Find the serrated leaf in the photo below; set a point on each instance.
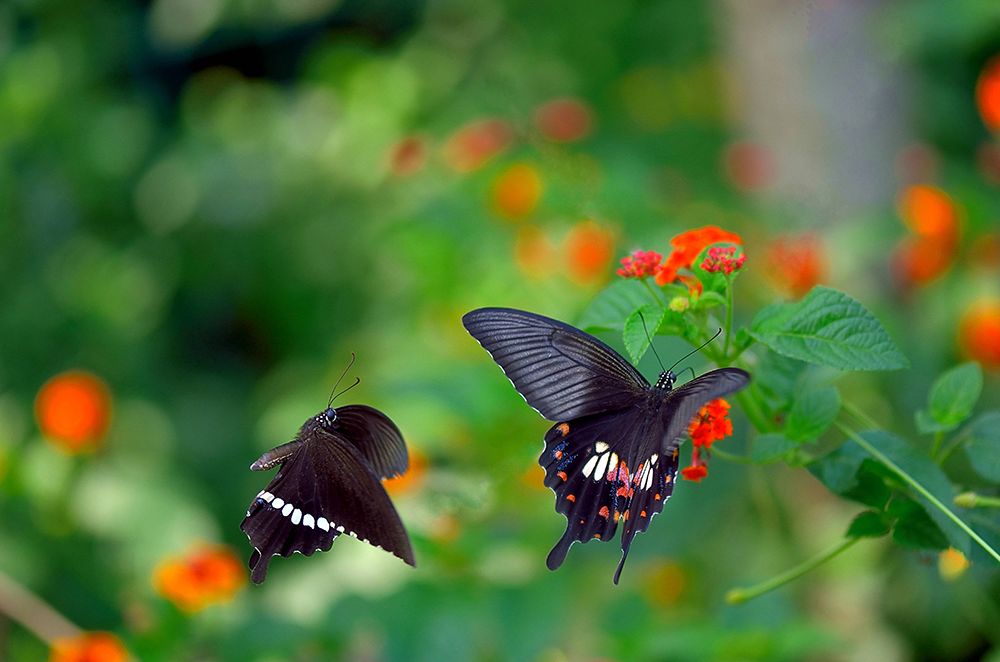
(768, 448)
(983, 446)
(640, 327)
(812, 413)
(955, 393)
(828, 327)
(913, 527)
(612, 306)
(869, 524)
(927, 473)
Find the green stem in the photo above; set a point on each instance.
(973, 500)
(860, 415)
(729, 314)
(936, 446)
(731, 457)
(956, 441)
(659, 297)
(23, 606)
(740, 595)
(884, 459)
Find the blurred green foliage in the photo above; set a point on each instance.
(204, 203)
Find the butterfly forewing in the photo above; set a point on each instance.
(376, 437)
(561, 371)
(682, 404)
(325, 488)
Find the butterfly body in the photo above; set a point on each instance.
(612, 456)
(328, 484)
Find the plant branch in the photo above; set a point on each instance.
(729, 315)
(923, 491)
(659, 297)
(973, 500)
(740, 595)
(33, 613)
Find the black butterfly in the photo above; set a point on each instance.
(328, 484)
(612, 456)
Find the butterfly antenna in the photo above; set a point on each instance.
(357, 380)
(332, 396)
(698, 349)
(650, 339)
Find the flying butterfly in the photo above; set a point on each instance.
(612, 455)
(328, 484)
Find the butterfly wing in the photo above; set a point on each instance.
(376, 437)
(562, 372)
(682, 404)
(593, 466)
(323, 489)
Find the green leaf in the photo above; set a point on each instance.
(913, 527)
(869, 524)
(955, 393)
(983, 447)
(709, 299)
(768, 448)
(927, 473)
(838, 470)
(812, 413)
(926, 423)
(828, 327)
(635, 333)
(614, 304)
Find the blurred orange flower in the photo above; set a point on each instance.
(564, 120)
(516, 191)
(589, 249)
(413, 478)
(476, 143)
(73, 410)
(89, 647)
(688, 245)
(796, 263)
(952, 564)
(933, 217)
(533, 252)
(408, 156)
(205, 575)
(665, 584)
(929, 212)
(748, 166)
(988, 94)
(979, 333)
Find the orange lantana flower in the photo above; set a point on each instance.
(979, 333)
(933, 217)
(74, 410)
(413, 478)
(89, 647)
(687, 246)
(988, 94)
(564, 120)
(796, 263)
(206, 575)
(589, 250)
(476, 143)
(516, 192)
(710, 425)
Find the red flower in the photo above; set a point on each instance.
(408, 156)
(206, 575)
(988, 94)
(933, 217)
(589, 249)
(476, 143)
(640, 264)
(74, 411)
(564, 120)
(687, 246)
(796, 263)
(720, 258)
(710, 425)
(88, 647)
(979, 333)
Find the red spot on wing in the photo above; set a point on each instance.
(571, 497)
(561, 474)
(603, 512)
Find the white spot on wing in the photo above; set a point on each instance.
(278, 503)
(296, 516)
(602, 466)
(323, 524)
(287, 510)
(267, 496)
(600, 447)
(589, 467)
(307, 520)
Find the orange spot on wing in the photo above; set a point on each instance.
(625, 515)
(667, 479)
(603, 512)
(657, 497)
(618, 515)
(642, 514)
(558, 455)
(623, 491)
(561, 474)
(597, 535)
(571, 497)
(563, 428)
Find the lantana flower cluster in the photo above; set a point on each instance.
(710, 425)
(686, 247)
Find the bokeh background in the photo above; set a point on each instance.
(207, 205)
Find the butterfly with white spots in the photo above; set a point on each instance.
(612, 456)
(328, 483)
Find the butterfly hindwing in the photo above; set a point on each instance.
(376, 437)
(323, 489)
(592, 465)
(561, 371)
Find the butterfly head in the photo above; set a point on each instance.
(666, 380)
(328, 417)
